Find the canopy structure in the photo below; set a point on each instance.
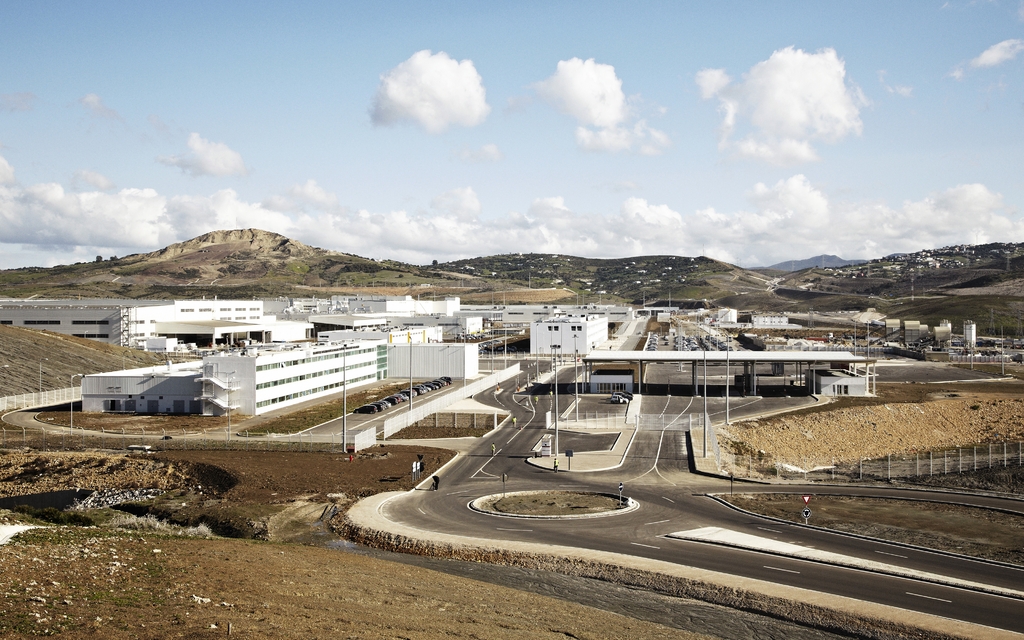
(747, 361)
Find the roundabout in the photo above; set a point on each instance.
(553, 505)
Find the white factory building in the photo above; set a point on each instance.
(524, 315)
(574, 334)
(130, 323)
(251, 381)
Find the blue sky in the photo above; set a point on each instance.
(749, 132)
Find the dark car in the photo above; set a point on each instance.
(367, 408)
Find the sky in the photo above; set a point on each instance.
(749, 132)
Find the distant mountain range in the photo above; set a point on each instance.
(952, 283)
(820, 262)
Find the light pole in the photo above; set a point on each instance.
(575, 377)
(72, 405)
(41, 378)
(344, 399)
(553, 347)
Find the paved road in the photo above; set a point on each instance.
(656, 473)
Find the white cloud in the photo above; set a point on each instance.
(998, 53)
(587, 91)
(312, 193)
(6, 172)
(432, 90)
(591, 93)
(95, 179)
(95, 105)
(12, 102)
(486, 153)
(207, 159)
(898, 89)
(463, 203)
(790, 100)
(789, 219)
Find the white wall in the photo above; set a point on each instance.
(578, 334)
(429, 361)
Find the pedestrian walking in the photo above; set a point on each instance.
(492, 449)
(556, 465)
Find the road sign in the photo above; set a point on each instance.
(807, 499)
(568, 453)
(806, 513)
(620, 487)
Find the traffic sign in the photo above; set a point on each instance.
(806, 513)
(620, 487)
(807, 499)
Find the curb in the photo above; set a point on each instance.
(952, 583)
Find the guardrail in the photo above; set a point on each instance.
(419, 411)
(44, 399)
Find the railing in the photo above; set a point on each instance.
(66, 439)
(902, 467)
(44, 399)
(960, 358)
(421, 410)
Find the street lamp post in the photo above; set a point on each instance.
(553, 347)
(72, 405)
(344, 399)
(41, 378)
(575, 377)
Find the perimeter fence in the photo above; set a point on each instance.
(905, 467)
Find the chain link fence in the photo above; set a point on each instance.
(87, 440)
(893, 467)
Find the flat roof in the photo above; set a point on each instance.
(723, 356)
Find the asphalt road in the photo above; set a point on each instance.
(656, 473)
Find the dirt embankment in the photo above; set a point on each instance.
(848, 434)
(234, 493)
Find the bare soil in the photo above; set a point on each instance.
(101, 583)
(449, 425)
(89, 583)
(971, 531)
(42, 358)
(931, 419)
(555, 503)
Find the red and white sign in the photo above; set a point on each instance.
(807, 499)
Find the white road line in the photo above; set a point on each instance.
(669, 499)
(895, 555)
(421, 511)
(909, 593)
(502, 529)
(779, 569)
(658, 522)
(767, 529)
(645, 545)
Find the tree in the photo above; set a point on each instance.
(434, 263)
(99, 258)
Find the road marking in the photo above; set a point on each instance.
(895, 555)
(909, 593)
(645, 545)
(767, 529)
(421, 511)
(669, 499)
(780, 569)
(658, 522)
(501, 529)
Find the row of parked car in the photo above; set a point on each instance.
(652, 342)
(621, 397)
(404, 395)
